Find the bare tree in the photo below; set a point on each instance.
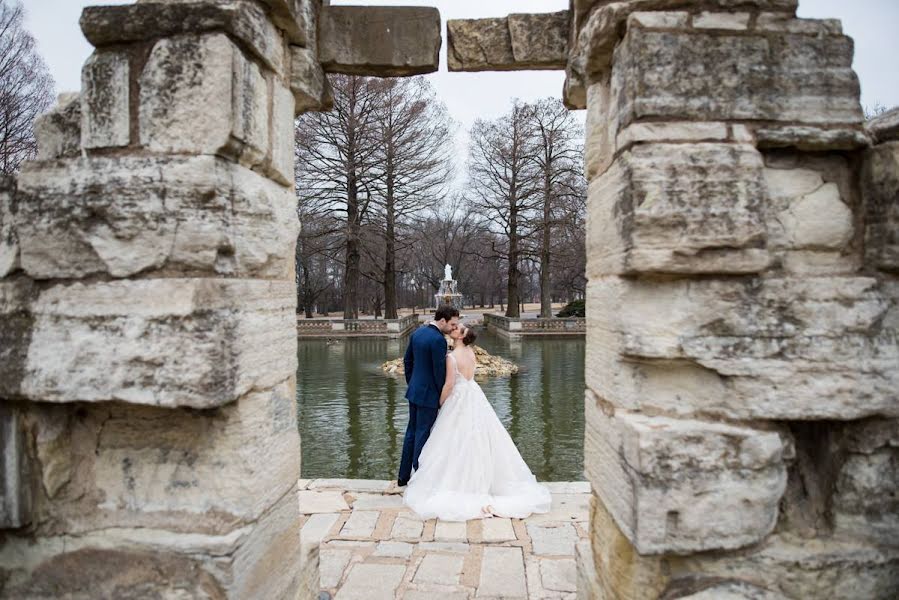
(413, 137)
(26, 88)
(336, 156)
(503, 186)
(559, 158)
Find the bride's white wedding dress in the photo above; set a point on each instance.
(469, 462)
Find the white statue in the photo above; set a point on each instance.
(447, 273)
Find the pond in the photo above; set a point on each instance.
(352, 416)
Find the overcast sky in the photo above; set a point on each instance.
(872, 23)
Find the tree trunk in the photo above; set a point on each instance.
(514, 282)
(546, 310)
(390, 255)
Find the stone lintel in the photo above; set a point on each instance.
(518, 42)
(384, 41)
(246, 21)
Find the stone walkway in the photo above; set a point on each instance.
(372, 547)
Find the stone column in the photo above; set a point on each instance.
(741, 410)
(147, 313)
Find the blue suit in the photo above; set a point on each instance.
(425, 366)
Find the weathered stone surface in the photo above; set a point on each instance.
(502, 573)
(105, 97)
(559, 575)
(618, 570)
(208, 474)
(317, 526)
(497, 530)
(310, 87)
(818, 220)
(58, 132)
(721, 20)
(387, 41)
(775, 348)
(283, 113)
(725, 591)
(802, 568)
(394, 549)
(405, 528)
(15, 472)
(447, 531)
(865, 502)
(675, 208)
(201, 343)
(9, 237)
(812, 139)
(785, 21)
(719, 76)
(144, 21)
(216, 103)
(552, 539)
(682, 485)
(441, 569)
(516, 42)
(372, 582)
(325, 501)
(361, 524)
(598, 26)
(885, 127)
(124, 216)
(253, 561)
(880, 188)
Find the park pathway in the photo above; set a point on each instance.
(373, 548)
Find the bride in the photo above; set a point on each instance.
(470, 468)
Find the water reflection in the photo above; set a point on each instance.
(352, 416)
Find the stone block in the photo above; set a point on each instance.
(258, 560)
(676, 486)
(705, 75)
(200, 343)
(310, 87)
(58, 132)
(812, 139)
(559, 575)
(15, 471)
(214, 103)
(448, 531)
(659, 20)
(9, 237)
(800, 568)
(105, 98)
(441, 569)
(677, 208)
(129, 215)
(885, 127)
(617, 569)
(599, 141)
(502, 573)
(766, 348)
(516, 42)
(387, 41)
(721, 20)
(552, 539)
(880, 189)
(866, 495)
(819, 220)
(372, 582)
(782, 21)
(144, 21)
(191, 472)
(283, 113)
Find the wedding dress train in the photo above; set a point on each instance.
(470, 462)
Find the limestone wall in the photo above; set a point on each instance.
(742, 411)
(147, 312)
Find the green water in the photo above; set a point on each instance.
(352, 417)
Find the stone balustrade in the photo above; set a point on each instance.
(389, 328)
(514, 327)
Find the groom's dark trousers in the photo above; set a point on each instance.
(425, 367)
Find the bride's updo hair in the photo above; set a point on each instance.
(469, 337)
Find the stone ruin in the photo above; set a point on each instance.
(742, 435)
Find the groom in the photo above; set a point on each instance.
(425, 366)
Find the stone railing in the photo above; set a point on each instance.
(389, 328)
(512, 327)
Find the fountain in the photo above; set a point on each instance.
(448, 292)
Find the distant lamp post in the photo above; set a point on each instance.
(414, 295)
